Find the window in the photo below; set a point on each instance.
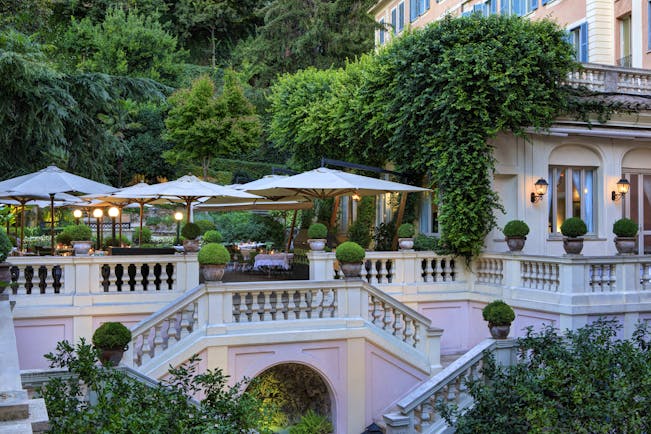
(394, 21)
(401, 16)
(429, 219)
(578, 37)
(417, 8)
(625, 42)
(571, 194)
(518, 7)
(648, 25)
(382, 36)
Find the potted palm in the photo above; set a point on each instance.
(406, 233)
(573, 228)
(499, 316)
(626, 236)
(350, 256)
(191, 233)
(515, 233)
(213, 258)
(79, 236)
(111, 339)
(317, 235)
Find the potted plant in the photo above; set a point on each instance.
(626, 236)
(573, 228)
(499, 316)
(515, 233)
(213, 258)
(317, 236)
(111, 339)
(212, 236)
(79, 236)
(350, 256)
(191, 232)
(406, 233)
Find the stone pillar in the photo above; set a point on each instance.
(600, 16)
(397, 423)
(356, 384)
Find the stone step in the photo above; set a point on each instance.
(14, 405)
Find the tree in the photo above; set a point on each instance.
(24, 15)
(123, 404)
(203, 124)
(578, 381)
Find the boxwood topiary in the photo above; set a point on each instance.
(191, 231)
(625, 228)
(516, 228)
(574, 227)
(406, 230)
(350, 251)
(317, 231)
(498, 313)
(212, 236)
(213, 254)
(111, 336)
(205, 226)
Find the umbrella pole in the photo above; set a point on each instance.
(335, 210)
(120, 228)
(291, 231)
(22, 226)
(142, 209)
(52, 222)
(187, 210)
(401, 213)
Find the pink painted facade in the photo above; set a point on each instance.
(36, 337)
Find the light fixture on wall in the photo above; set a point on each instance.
(540, 189)
(622, 188)
(356, 196)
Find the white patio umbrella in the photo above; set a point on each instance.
(189, 189)
(49, 182)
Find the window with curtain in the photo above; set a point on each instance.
(571, 194)
(429, 220)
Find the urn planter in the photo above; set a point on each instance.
(626, 245)
(573, 246)
(406, 243)
(213, 272)
(515, 244)
(317, 244)
(351, 270)
(81, 247)
(499, 331)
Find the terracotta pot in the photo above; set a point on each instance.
(499, 331)
(406, 243)
(573, 246)
(351, 270)
(81, 247)
(190, 246)
(626, 245)
(317, 244)
(515, 244)
(111, 356)
(213, 272)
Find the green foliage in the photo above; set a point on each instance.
(213, 253)
(312, 423)
(625, 228)
(349, 251)
(516, 228)
(424, 242)
(246, 226)
(111, 336)
(317, 231)
(574, 227)
(360, 233)
(498, 313)
(406, 230)
(124, 404)
(191, 231)
(205, 226)
(583, 381)
(117, 242)
(383, 237)
(5, 246)
(205, 125)
(70, 233)
(146, 235)
(212, 236)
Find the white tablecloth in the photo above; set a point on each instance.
(273, 260)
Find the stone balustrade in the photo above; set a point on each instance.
(604, 78)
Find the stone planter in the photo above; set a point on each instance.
(111, 356)
(573, 246)
(499, 331)
(406, 243)
(317, 244)
(515, 244)
(213, 272)
(81, 247)
(351, 270)
(626, 245)
(191, 246)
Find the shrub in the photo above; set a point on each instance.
(425, 242)
(112, 336)
(317, 231)
(406, 230)
(212, 236)
(205, 226)
(74, 233)
(360, 233)
(498, 313)
(191, 231)
(625, 228)
(312, 423)
(119, 241)
(574, 227)
(350, 251)
(383, 236)
(5, 246)
(153, 220)
(146, 235)
(516, 228)
(214, 254)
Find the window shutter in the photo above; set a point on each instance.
(583, 35)
(413, 10)
(394, 20)
(504, 7)
(401, 16)
(426, 5)
(493, 7)
(533, 5)
(382, 31)
(544, 2)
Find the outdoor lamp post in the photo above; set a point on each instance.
(178, 216)
(77, 215)
(113, 212)
(98, 214)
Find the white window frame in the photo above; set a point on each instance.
(553, 224)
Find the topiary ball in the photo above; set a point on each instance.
(625, 228)
(516, 228)
(317, 231)
(212, 236)
(112, 336)
(350, 251)
(498, 313)
(191, 231)
(574, 227)
(213, 254)
(406, 230)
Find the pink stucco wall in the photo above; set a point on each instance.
(36, 337)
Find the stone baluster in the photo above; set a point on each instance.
(145, 355)
(383, 274)
(372, 273)
(429, 271)
(158, 339)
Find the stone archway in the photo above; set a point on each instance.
(293, 389)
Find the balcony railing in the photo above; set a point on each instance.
(603, 78)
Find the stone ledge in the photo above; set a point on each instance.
(13, 405)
